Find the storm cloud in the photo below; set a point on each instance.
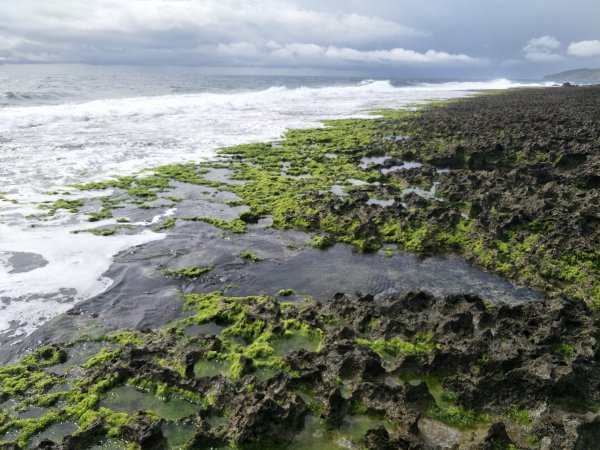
(435, 37)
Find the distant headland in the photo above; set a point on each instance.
(577, 75)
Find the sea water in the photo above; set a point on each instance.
(62, 125)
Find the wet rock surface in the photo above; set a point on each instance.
(509, 182)
(497, 375)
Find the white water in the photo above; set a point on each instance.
(47, 147)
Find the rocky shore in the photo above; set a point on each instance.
(507, 181)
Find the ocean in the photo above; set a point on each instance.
(62, 125)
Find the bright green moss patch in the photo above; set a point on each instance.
(457, 416)
(188, 272)
(234, 226)
(95, 216)
(69, 205)
(286, 292)
(168, 223)
(520, 416)
(249, 256)
(263, 342)
(103, 387)
(422, 343)
(564, 349)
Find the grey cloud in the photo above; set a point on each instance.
(542, 49)
(471, 37)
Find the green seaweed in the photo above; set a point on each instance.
(234, 226)
(249, 256)
(168, 223)
(188, 272)
(286, 292)
(422, 343)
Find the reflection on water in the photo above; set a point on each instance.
(128, 400)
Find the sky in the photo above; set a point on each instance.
(435, 38)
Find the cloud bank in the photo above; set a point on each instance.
(210, 32)
(438, 35)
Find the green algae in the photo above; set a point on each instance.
(168, 223)
(565, 350)
(298, 203)
(77, 355)
(286, 292)
(188, 272)
(350, 434)
(105, 231)
(520, 416)
(72, 206)
(233, 226)
(391, 348)
(300, 197)
(261, 344)
(457, 416)
(445, 407)
(249, 256)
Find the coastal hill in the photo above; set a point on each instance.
(577, 75)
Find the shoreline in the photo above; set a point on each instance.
(461, 176)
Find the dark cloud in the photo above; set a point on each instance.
(433, 37)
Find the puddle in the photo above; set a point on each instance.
(78, 355)
(8, 406)
(208, 328)
(355, 182)
(211, 368)
(140, 297)
(285, 167)
(10, 436)
(127, 399)
(295, 342)
(377, 161)
(324, 273)
(33, 412)
(55, 433)
(397, 138)
(433, 386)
(382, 203)
(21, 262)
(349, 436)
(111, 444)
(338, 190)
(372, 161)
(65, 387)
(265, 373)
(435, 389)
(406, 165)
(221, 175)
(216, 421)
(178, 434)
(430, 194)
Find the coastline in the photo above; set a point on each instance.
(490, 186)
